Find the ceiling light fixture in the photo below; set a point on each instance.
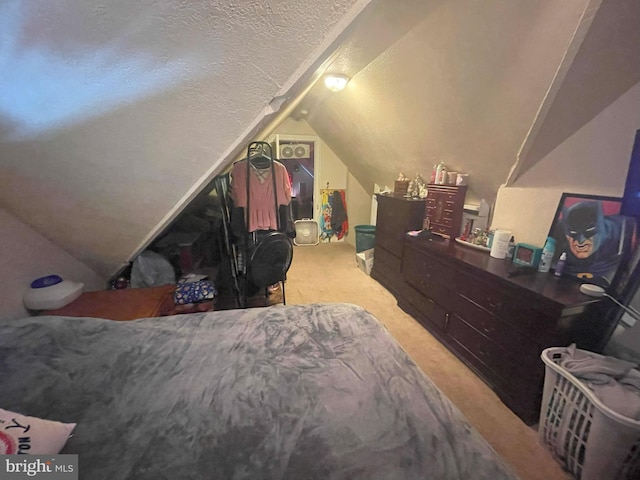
(335, 81)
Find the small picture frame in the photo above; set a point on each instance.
(597, 239)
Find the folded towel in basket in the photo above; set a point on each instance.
(608, 378)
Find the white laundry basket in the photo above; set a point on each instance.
(590, 440)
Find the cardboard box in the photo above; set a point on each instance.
(365, 260)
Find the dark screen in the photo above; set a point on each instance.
(524, 254)
(631, 199)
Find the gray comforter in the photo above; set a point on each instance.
(298, 392)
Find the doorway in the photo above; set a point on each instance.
(299, 159)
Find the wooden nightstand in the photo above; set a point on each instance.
(127, 304)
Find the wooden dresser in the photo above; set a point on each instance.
(497, 324)
(396, 216)
(445, 204)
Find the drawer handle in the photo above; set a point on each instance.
(492, 304)
(446, 320)
(486, 329)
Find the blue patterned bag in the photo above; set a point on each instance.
(194, 292)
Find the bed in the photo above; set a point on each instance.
(319, 391)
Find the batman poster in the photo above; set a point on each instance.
(598, 241)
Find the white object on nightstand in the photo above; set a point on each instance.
(53, 295)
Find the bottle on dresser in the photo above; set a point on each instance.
(441, 172)
(562, 261)
(547, 255)
(512, 247)
(434, 173)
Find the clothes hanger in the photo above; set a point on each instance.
(258, 157)
(261, 161)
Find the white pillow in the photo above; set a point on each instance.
(31, 435)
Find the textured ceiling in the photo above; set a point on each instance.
(112, 113)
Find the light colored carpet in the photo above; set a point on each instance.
(329, 273)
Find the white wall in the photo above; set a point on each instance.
(27, 255)
(594, 160)
(359, 203)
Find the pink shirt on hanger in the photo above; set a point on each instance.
(263, 214)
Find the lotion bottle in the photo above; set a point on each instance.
(547, 255)
(560, 264)
(443, 175)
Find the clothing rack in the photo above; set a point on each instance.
(228, 248)
(256, 244)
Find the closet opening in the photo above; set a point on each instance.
(298, 158)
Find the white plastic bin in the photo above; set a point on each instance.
(587, 438)
(365, 260)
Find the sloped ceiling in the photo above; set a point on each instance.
(113, 115)
(602, 63)
(462, 85)
(112, 112)
(488, 87)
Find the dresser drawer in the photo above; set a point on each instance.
(517, 383)
(449, 232)
(504, 303)
(386, 270)
(429, 309)
(502, 334)
(430, 288)
(445, 221)
(424, 271)
(510, 370)
(382, 256)
(441, 215)
(445, 218)
(442, 195)
(391, 243)
(444, 205)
